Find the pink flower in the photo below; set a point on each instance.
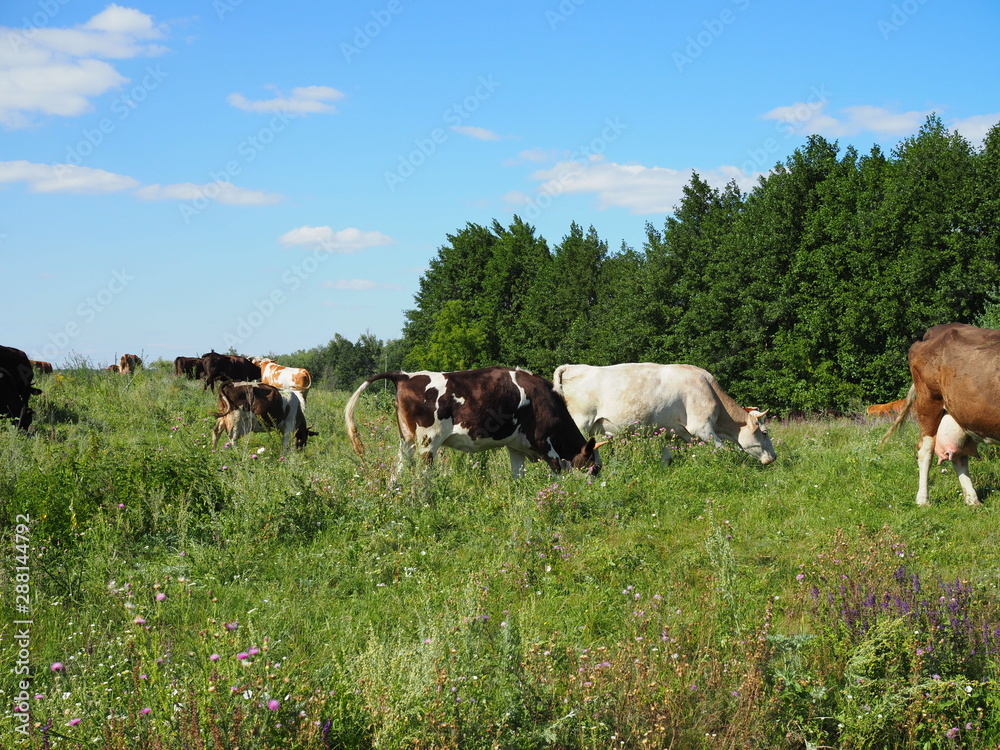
(161, 596)
(273, 704)
(242, 655)
(74, 722)
(139, 621)
(145, 711)
(254, 651)
(214, 657)
(57, 667)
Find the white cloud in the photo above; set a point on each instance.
(354, 285)
(58, 71)
(64, 178)
(638, 188)
(348, 240)
(975, 128)
(808, 118)
(303, 100)
(480, 134)
(220, 192)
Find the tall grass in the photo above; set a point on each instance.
(240, 598)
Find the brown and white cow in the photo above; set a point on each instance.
(256, 407)
(477, 410)
(280, 376)
(16, 389)
(954, 370)
(682, 398)
(219, 367)
(129, 363)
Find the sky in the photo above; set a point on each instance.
(214, 174)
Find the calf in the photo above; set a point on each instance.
(477, 410)
(255, 407)
(682, 398)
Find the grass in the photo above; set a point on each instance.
(238, 598)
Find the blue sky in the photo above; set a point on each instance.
(177, 177)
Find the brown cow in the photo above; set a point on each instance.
(218, 367)
(476, 410)
(883, 410)
(190, 366)
(954, 371)
(280, 376)
(257, 407)
(42, 368)
(129, 363)
(114, 368)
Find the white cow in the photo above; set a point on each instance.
(682, 398)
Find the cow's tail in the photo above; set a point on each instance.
(907, 403)
(224, 405)
(557, 378)
(352, 402)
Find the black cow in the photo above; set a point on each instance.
(16, 375)
(227, 367)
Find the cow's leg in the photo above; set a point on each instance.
(404, 458)
(516, 464)
(220, 427)
(924, 455)
(961, 464)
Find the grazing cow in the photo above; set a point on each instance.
(129, 363)
(114, 368)
(477, 410)
(682, 398)
(42, 368)
(227, 367)
(257, 407)
(294, 378)
(16, 375)
(954, 374)
(882, 410)
(190, 366)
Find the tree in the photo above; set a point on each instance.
(456, 342)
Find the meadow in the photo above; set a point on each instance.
(184, 597)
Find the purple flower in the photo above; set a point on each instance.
(951, 733)
(254, 651)
(74, 722)
(145, 711)
(57, 667)
(242, 655)
(214, 657)
(274, 704)
(232, 625)
(139, 621)
(161, 596)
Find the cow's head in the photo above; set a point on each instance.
(586, 460)
(753, 437)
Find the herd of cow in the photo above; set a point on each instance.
(955, 396)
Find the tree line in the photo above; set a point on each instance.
(804, 293)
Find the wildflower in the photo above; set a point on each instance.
(57, 667)
(242, 655)
(74, 722)
(161, 596)
(951, 733)
(800, 577)
(214, 657)
(139, 621)
(274, 704)
(145, 711)
(254, 651)
(232, 625)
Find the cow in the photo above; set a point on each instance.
(16, 389)
(683, 398)
(882, 410)
(954, 372)
(190, 366)
(42, 368)
(129, 363)
(245, 407)
(113, 368)
(477, 410)
(227, 367)
(294, 378)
